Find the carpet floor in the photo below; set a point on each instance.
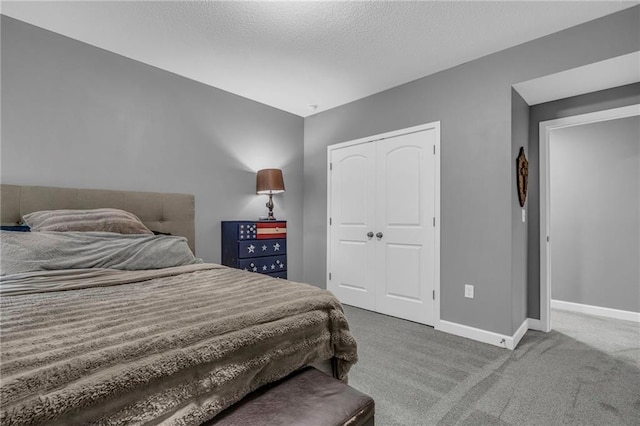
(586, 371)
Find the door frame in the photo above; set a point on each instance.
(373, 138)
(546, 127)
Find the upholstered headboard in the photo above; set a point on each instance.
(171, 213)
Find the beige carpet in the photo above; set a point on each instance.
(585, 372)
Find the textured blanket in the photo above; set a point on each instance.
(173, 349)
(42, 251)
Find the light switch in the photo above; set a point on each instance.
(468, 291)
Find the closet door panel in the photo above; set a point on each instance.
(402, 260)
(402, 186)
(405, 206)
(352, 212)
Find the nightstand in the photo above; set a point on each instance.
(258, 246)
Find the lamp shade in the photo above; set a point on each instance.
(269, 181)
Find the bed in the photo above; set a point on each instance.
(171, 345)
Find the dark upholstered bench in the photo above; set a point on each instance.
(307, 397)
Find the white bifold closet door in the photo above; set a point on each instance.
(382, 234)
(353, 216)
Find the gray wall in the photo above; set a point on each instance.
(596, 101)
(595, 217)
(74, 115)
(473, 104)
(519, 138)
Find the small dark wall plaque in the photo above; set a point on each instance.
(522, 169)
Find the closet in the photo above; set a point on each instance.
(383, 232)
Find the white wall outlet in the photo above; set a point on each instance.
(524, 215)
(468, 291)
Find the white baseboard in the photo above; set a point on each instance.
(519, 334)
(596, 310)
(496, 339)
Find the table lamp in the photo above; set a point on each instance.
(269, 182)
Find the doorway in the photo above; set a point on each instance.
(608, 228)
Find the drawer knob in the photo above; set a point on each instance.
(379, 235)
(370, 234)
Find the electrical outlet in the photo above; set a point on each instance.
(468, 291)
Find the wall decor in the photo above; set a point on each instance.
(522, 169)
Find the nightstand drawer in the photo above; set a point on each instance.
(262, 248)
(264, 265)
(261, 230)
(271, 230)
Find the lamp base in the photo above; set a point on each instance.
(270, 207)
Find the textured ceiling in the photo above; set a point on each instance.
(294, 54)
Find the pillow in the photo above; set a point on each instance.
(96, 220)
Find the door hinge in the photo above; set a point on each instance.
(329, 276)
(434, 150)
(330, 166)
(547, 238)
(434, 222)
(434, 295)
(330, 221)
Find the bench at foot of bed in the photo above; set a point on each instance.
(307, 397)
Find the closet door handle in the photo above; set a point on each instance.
(379, 235)
(370, 234)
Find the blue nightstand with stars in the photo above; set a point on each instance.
(256, 246)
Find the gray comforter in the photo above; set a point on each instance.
(173, 346)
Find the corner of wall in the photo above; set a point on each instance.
(519, 214)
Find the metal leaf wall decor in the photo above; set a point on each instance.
(522, 170)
